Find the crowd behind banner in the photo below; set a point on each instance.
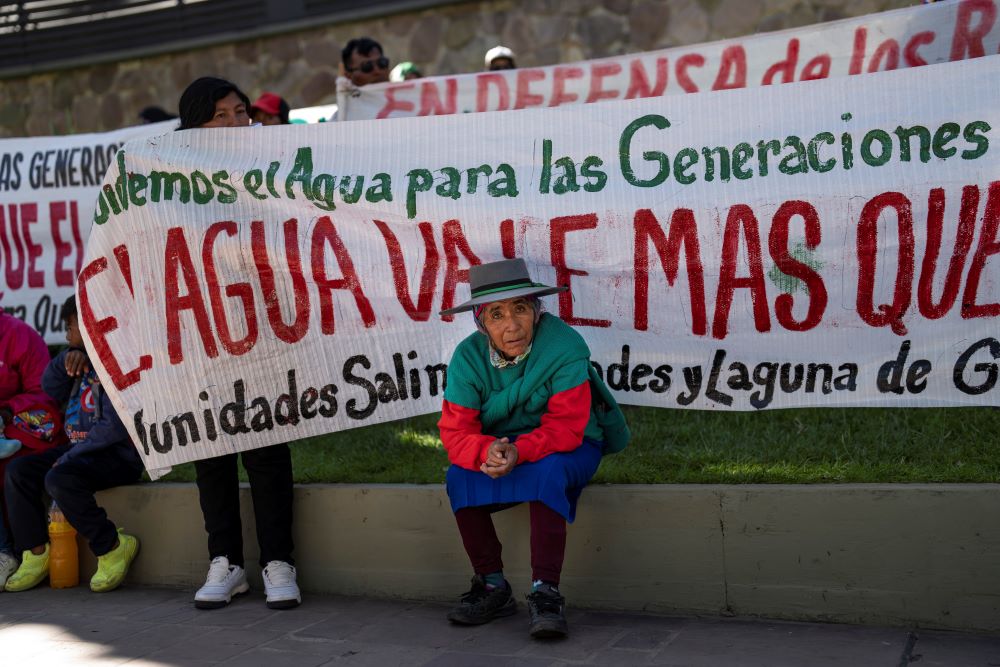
(898, 39)
(811, 251)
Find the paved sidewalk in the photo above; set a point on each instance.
(150, 626)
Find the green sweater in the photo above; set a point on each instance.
(512, 400)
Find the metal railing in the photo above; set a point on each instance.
(40, 35)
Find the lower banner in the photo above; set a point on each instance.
(825, 244)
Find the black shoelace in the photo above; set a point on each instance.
(474, 594)
(546, 603)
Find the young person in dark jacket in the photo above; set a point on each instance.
(206, 103)
(99, 456)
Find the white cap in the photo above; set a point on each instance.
(498, 52)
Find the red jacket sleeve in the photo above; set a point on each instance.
(32, 356)
(462, 436)
(562, 427)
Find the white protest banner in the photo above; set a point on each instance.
(829, 244)
(47, 190)
(910, 37)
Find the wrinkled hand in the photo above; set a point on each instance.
(501, 458)
(76, 363)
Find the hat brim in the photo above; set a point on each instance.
(534, 290)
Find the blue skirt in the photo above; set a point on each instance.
(556, 480)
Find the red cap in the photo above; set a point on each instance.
(268, 103)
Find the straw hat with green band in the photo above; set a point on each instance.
(496, 281)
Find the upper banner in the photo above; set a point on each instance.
(910, 37)
(47, 190)
(827, 244)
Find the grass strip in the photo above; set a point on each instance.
(806, 446)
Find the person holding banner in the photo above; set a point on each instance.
(208, 103)
(29, 419)
(525, 418)
(364, 62)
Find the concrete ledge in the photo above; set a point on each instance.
(880, 554)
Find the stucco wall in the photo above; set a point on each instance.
(302, 66)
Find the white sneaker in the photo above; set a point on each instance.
(223, 582)
(279, 582)
(8, 566)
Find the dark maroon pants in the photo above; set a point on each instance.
(548, 540)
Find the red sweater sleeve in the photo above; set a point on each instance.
(562, 427)
(462, 436)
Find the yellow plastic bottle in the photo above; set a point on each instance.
(64, 560)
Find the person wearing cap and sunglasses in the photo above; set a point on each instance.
(526, 418)
(364, 62)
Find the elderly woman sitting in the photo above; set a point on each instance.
(525, 419)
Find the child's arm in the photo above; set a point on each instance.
(106, 431)
(56, 381)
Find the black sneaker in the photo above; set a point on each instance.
(481, 604)
(547, 609)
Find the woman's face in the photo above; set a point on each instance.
(510, 324)
(229, 112)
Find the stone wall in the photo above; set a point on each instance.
(302, 66)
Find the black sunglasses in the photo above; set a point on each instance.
(369, 65)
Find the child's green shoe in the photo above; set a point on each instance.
(113, 566)
(33, 571)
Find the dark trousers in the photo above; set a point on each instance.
(269, 470)
(548, 540)
(6, 543)
(72, 486)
